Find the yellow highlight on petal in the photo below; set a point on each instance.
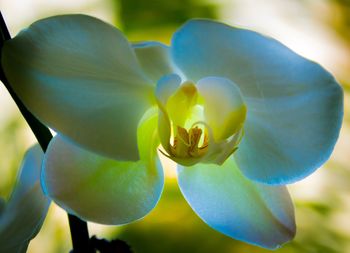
(180, 104)
(232, 124)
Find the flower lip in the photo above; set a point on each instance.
(203, 122)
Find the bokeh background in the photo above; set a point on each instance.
(316, 29)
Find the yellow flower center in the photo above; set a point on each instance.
(200, 122)
(186, 143)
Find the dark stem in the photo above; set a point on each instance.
(80, 235)
(78, 228)
(113, 246)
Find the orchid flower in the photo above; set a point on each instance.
(22, 216)
(241, 114)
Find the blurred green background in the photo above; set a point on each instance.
(317, 29)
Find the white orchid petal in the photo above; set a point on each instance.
(102, 190)
(154, 58)
(228, 202)
(25, 211)
(81, 77)
(224, 107)
(295, 107)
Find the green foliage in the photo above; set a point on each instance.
(340, 18)
(140, 14)
(12, 147)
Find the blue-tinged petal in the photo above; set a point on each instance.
(295, 107)
(154, 58)
(235, 206)
(25, 211)
(81, 77)
(102, 190)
